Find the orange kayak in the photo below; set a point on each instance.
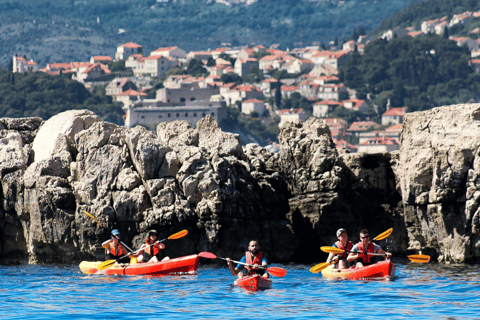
(382, 269)
(254, 283)
(187, 264)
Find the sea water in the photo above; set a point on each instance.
(419, 291)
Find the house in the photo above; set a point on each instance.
(240, 93)
(153, 66)
(119, 85)
(308, 89)
(393, 116)
(379, 144)
(339, 58)
(243, 67)
(324, 108)
(127, 49)
(356, 105)
(460, 18)
(440, 28)
(465, 41)
(321, 80)
(184, 92)
(170, 52)
(199, 55)
(251, 105)
(342, 144)
(286, 91)
(129, 97)
(91, 73)
(358, 127)
(246, 53)
(291, 115)
(429, 25)
(100, 59)
(337, 126)
(336, 92)
(147, 114)
(475, 64)
(22, 65)
(298, 66)
(394, 33)
(268, 85)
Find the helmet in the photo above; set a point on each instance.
(116, 233)
(152, 232)
(340, 231)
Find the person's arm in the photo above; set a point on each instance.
(264, 262)
(160, 245)
(233, 271)
(353, 254)
(378, 249)
(106, 244)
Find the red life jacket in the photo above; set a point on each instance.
(153, 250)
(343, 256)
(116, 251)
(251, 259)
(363, 253)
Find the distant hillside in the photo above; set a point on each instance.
(424, 10)
(65, 30)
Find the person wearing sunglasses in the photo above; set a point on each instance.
(253, 257)
(114, 249)
(150, 250)
(340, 260)
(360, 251)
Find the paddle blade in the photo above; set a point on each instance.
(178, 235)
(419, 258)
(106, 264)
(277, 272)
(207, 255)
(383, 235)
(91, 216)
(319, 267)
(332, 249)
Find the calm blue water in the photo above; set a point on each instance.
(420, 291)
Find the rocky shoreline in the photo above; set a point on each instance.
(202, 179)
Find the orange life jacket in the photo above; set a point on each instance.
(118, 251)
(251, 259)
(343, 256)
(363, 252)
(153, 250)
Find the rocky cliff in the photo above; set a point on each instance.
(203, 180)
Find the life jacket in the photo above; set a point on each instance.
(363, 252)
(153, 250)
(343, 256)
(251, 259)
(116, 251)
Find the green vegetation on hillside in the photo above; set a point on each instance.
(41, 95)
(416, 73)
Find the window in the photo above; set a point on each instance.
(182, 99)
(160, 117)
(178, 115)
(203, 114)
(213, 114)
(169, 115)
(143, 117)
(192, 99)
(186, 114)
(194, 114)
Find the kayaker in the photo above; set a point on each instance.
(253, 257)
(150, 250)
(114, 249)
(340, 260)
(360, 250)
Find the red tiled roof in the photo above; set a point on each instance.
(290, 111)
(102, 58)
(131, 45)
(394, 112)
(253, 101)
(131, 92)
(380, 141)
(328, 102)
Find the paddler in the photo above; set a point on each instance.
(361, 249)
(340, 260)
(114, 249)
(253, 257)
(150, 250)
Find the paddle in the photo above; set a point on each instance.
(275, 271)
(95, 219)
(319, 267)
(104, 265)
(419, 258)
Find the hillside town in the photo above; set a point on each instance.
(190, 98)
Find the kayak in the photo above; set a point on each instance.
(182, 265)
(254, 283)
(382, 269)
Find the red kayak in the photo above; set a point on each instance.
(254, 282)
(382, 269)
(187, 264)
